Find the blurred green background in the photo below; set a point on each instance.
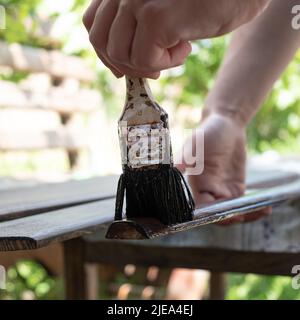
(276, 127)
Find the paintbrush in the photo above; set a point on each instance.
(150, 183)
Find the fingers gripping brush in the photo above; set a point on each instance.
(150, 183)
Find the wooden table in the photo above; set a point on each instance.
(77, 213)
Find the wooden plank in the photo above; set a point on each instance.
(57, 64)
(202, 257)
(44, 197)
(56, 98)
(149, 228)
(42, 229)
(267, 246)
(16, 140)
(33, 199)
(75, 277)
(217, 286)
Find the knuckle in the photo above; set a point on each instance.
(85, 19)
(157, 24)
(124, 5)
(92, 38)
(95, 41)
(114, 55)
(151, 11)
(153, 16)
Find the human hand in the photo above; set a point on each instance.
(142, 37)
(224, 165)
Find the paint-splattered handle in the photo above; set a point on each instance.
(140, 106)
(143, 128)
(138, 90)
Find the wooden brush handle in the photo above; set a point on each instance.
(143, 124)
(138, 89)
(140, 106)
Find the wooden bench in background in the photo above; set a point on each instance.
(56, 83)
(77, 214)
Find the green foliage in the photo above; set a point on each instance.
(14, 76)
(277, 124)
(196, 77)
(29, 280)
(254, 287)
(22, 22)
(80, 5)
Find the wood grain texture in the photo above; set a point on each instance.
(32, 200)
(60, 225)
(149, 228)
(36, 224)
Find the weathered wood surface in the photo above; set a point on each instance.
(55, 63)
(270, 246)
(149, 228)
(46, 197)
(55, 98)
(41, 229)
(55, 226)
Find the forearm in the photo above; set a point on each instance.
(201, 19)
(257, 55)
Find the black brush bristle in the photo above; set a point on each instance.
(160, 192)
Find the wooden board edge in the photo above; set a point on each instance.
(18, 243)
(149, 228)
(143, 228)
